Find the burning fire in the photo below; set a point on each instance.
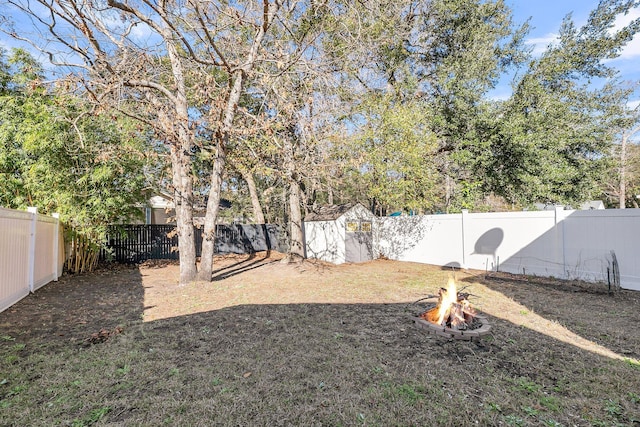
(453, 309)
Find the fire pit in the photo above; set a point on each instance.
(453, 316)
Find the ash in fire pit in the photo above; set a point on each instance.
(453, 316)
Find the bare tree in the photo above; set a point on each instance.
(170, 58)
(237, 65)
(626, 137)
(125, 54)
(298, 91)
(623, 119)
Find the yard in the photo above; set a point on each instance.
(315, 344)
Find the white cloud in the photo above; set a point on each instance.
(623, 20)
(502, 92)
(501, 96)
(540, 44)
(632, 49)
(140, 33)
(633, 104)
(143, 32)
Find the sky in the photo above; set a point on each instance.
(545, 19)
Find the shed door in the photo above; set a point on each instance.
(358, 241)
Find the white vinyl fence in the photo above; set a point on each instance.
(31, 253)
(565, 244)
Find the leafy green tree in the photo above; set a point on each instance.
(439, 58)
(553, 136)
(471, 44)
(396, 152)
(60, 156)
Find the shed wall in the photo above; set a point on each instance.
(325, 240)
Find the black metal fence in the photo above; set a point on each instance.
(136, 243)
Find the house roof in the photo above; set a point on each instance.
(163, 200)
(329, 212)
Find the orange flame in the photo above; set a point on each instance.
(449, 297)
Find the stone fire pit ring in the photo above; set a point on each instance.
(457, 334)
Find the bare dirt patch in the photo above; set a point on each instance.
(266, 343)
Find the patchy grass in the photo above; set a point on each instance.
(313, 344)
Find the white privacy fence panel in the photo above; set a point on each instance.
(46, 251)
(590, 239)
(563, 244)
(517, 242)
(15, 240)
(432, 239)
(31, 253)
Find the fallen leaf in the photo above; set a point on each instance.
(247, 374)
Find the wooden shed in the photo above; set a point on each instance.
(340, 233)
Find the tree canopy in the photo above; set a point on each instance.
(290, 104)
(58, 154)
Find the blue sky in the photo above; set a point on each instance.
(546, 17)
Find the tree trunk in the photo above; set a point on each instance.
(296, 236)
(213, 207)
(183, 201)
(622, 194)
(258, 216)
(231, 106)
(178, 127)
(296, 246)
(213, 204)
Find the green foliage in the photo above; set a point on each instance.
(395, 148)
(58, 155)
(385, 102)
(553, 138)
(548, 143)
(433, 119)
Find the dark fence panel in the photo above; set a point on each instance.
(247, 238)
(136, 243)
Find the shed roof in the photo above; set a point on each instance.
(329, 212)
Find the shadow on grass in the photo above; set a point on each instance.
(296, 364)
(585, 309)
(77, 306)
(250, 262)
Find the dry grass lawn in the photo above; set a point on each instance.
(315, 344)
